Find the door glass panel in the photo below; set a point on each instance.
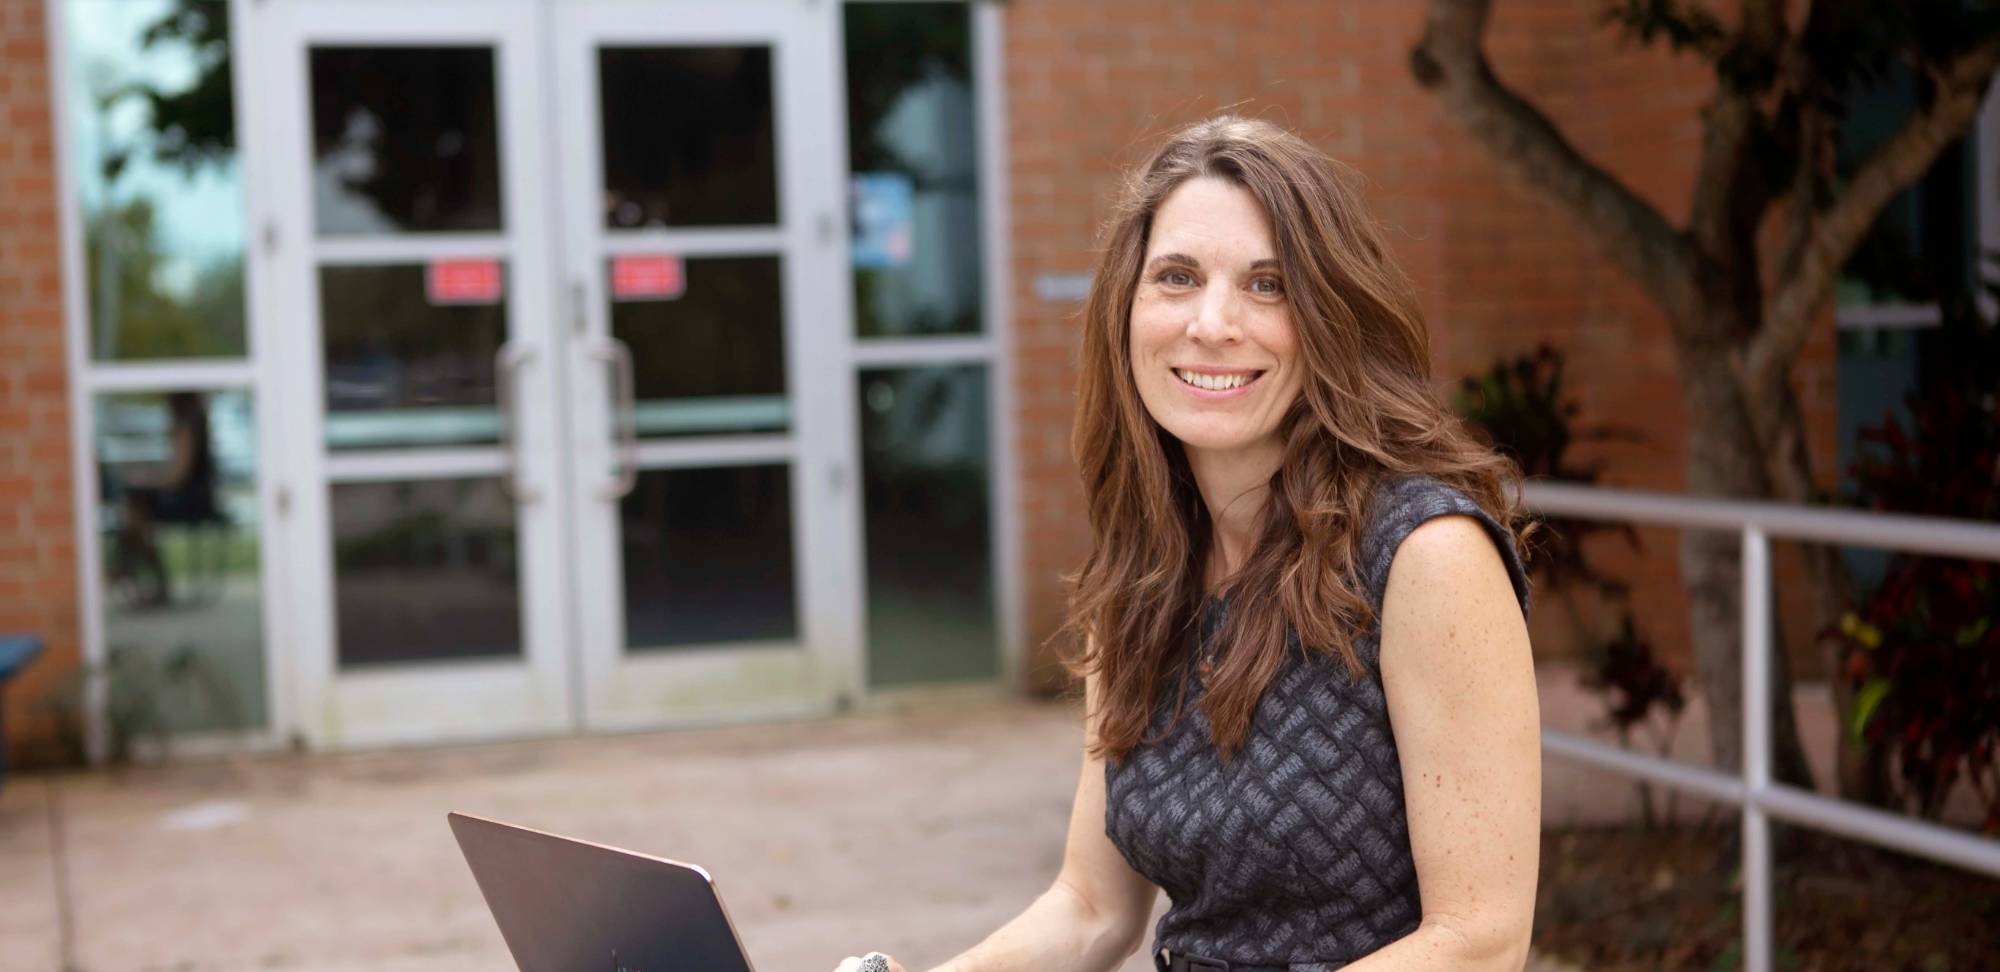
(405, 140)
(925, 473)
(425, 570)
(689, 138)
(408, 351)
(915, 163)
(708, 557)
(708, 351)
(154, 166)
(183, 601)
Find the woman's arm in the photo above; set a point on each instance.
(1460, 683)
(1094, 915)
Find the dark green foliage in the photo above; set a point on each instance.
(928, 38)
(1847, 43)
(197, 124)
(1523, 408)
(1923, 647)
(135, 679)
(1521, 405)
(122, 255)
(1626, 670)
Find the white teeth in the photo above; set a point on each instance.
(1215, 382)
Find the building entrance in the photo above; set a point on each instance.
(565, 330)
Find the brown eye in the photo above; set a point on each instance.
(1267, 286)
(1177, 278)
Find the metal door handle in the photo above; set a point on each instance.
(625, 415)
(507, 362)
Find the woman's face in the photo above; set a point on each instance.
(1214, 348)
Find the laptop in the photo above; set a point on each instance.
(566, 905)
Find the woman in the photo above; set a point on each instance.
(179, 491)
(1310, 705)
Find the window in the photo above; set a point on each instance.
(153, 129)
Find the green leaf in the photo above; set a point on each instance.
(1729, 958)
(1971, 633)
(1865, 702)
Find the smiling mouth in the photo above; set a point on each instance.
(1224, 381)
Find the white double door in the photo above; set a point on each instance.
(564, 340)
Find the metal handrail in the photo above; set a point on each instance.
(1760, 797)
(1857, 528)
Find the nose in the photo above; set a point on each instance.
(1214, 320)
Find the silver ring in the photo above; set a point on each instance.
(874, 962)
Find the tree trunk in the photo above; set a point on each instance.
(1863, 774)
(1724, 460)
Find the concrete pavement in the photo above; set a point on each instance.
(915, 831)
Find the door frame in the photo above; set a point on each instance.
(418, 701)
(705, 685)
(281, 490)
(991, 348)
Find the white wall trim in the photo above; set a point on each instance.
(989, 72)
(476, 462)
(714, 451)
(89, 379)
(160, 375)
(902, 352)
(274, 499)
(694, 243)
(380, 250)
(1895, 316)
(82, 419)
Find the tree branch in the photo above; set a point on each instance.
(1732, 191)
(1449, 61)
(1811, 130)
(1733, 188)
(1789, 316)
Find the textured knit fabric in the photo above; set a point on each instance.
(1296, 852)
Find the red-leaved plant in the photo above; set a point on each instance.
(1923, 647)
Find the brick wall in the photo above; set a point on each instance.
(1092, 87)
(38, 589)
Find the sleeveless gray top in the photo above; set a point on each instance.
(1296, 852)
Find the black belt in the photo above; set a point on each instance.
(1165, 961)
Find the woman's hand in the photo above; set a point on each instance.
(871, 962)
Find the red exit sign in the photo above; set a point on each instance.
(463, 282)
(647, 278)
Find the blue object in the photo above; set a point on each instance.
(884, 220)
(16, 651)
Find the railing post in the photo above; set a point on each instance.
(1757, 648)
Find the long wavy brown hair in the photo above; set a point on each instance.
(1366, 410)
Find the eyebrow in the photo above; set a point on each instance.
(1182, 259)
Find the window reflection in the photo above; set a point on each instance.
(708, 557)
(929, 537)
(154, 129)
(183, 603)
(710, 358)
(425, 571)
(405, 139)
(406, 363)
(1920, 249)
(689, 137)
(915, 163)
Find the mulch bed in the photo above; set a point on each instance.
(1632, 899)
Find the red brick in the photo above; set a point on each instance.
(37, 554)
(1498, 270)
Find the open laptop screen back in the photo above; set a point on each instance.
(564, 906)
